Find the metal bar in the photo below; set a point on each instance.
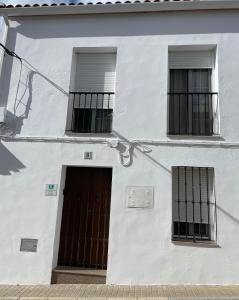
(179, 225)
(96, 127)
(215, 208)
(87, 92)
(102, 115)
(208, 207)
(78, 111)
(205, 116)
(192, 104)
(200, 201)
(186, 201)
(73, 114)
(216, 113)
(187, 115)
(90, 116)
(108, 117)
(173, 114)
(179, 117)
(193, 93)
(193, 205)
(198, 114)
(84, 111)
(210, 114)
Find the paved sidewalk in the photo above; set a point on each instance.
(103, 292)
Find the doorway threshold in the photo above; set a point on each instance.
(75, 275)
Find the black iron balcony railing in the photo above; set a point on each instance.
(92, 112)
(193, 113)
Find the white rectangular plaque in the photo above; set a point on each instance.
(140, 197)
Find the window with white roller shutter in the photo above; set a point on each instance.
(193, 103)
(191, 59)
(93, 97)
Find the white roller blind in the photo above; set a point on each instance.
(192, 184)
(95, 73)
(190, 59)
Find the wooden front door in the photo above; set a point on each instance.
(85, 218)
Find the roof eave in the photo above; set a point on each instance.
(120, 8)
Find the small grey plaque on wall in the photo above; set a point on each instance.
(140, 197)
(51, 189)
(88, 155)
(28, 245)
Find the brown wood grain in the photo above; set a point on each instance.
(85, 218)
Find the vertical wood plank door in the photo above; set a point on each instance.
(85, 218)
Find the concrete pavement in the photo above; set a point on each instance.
(103, 292)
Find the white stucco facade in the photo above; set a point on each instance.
(140, 247)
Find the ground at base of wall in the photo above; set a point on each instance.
(103, 292)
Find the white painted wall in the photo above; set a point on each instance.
(140, 248)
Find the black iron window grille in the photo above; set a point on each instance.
(92, 112)
(193, 107)
(194, 206)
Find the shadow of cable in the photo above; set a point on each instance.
(127, 149)
(23, 97)
(235, 220)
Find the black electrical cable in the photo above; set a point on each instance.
(13, 54)
(9, 52)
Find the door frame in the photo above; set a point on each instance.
(59, 210)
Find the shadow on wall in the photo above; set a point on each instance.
(235, 220)
(127, 153)
(23, 97)
(24, 87)
(129, 25)
(9, 163)
(14, 119)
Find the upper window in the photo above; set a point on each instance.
(192, 101)
(93, 94)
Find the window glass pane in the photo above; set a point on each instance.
(199, 81)
(178, 81)
(190, 102)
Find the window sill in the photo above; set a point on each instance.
(195, 137)
(89, 135)
(200, 244)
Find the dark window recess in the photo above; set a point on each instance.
(92, 112)
(194, 207)
(192, 104)
(191, 229)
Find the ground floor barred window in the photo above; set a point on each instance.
(194, 205)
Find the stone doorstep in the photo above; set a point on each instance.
(71, 275)
(80, 271)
